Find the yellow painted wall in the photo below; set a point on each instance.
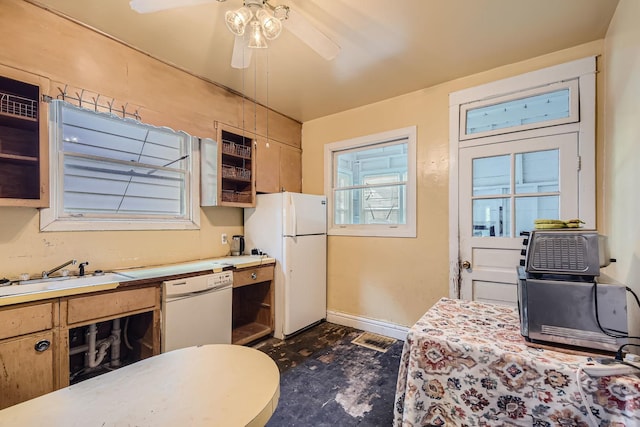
(389, 279)
(621, 198)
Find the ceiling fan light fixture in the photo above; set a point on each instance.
(256, 38)
(237, 20)
(271, 26)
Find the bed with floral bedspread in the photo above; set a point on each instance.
(465, 364)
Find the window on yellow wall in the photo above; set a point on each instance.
(371, 185)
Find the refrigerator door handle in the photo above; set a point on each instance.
(292, 223)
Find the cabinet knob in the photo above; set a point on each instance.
(42, 345)
(254, 276)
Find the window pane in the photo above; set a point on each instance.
(537, 171)
(492, 217)
(530, 208)
(121, 168)
(492, 175)
(97, 187)
(370, 205)
(531, 109)
(360, 164)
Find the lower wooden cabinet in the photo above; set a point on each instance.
(253, 304)
(28, 351)
(37, 340)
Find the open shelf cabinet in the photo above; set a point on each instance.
(23, 140)
(236, 171)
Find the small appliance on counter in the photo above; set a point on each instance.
(237, 245)
(559, 297)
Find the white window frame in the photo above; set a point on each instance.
(574, 110)
(373, 230)
(54, 219)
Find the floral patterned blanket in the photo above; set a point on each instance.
(465, 364)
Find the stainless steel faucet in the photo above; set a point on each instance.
(46, 274)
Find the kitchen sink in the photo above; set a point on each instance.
(61, 282)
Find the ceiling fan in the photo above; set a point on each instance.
(254, 23)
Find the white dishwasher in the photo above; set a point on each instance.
(196, 311)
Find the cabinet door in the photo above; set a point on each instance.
(27, 368)
(290, 169)
(267, 166)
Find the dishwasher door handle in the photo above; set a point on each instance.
(194, 294)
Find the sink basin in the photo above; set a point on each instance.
(55, 283)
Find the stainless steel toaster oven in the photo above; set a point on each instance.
(572, 252)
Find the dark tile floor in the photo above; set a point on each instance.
(326, 380)
(293, 351)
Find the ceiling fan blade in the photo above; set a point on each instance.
(308, 33)
(149, 6)
(241, 57)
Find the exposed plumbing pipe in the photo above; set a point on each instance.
(96, 351)
(116, 333)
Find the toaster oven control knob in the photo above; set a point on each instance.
(466, 265)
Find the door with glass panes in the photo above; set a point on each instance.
(503, 188)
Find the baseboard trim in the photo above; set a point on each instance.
(369, 325)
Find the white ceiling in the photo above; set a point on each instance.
(388, 48)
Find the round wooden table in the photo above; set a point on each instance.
(211, 385)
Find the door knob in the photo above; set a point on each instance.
(466, 265)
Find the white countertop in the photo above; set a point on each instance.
(215, 265)
(15, 294)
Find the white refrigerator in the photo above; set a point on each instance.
(292, 228)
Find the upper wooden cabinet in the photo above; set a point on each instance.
(278, 167)
(24, 159)
(236, 179)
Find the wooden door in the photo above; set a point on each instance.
(503, 188)
(290, 169)
(27, 368)
(267, 166)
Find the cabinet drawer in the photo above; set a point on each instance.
(94, 307)
(252, 275)
(25, 320)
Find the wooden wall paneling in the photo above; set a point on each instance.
(67, 52)
(280, 127)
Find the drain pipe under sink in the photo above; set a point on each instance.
(97, 350)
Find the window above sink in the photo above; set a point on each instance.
(110, 173)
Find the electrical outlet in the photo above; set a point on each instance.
(224, 238)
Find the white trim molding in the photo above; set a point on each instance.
(368, 325)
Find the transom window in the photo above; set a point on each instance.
(551, 105)
(113, 173)
(371, 185)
